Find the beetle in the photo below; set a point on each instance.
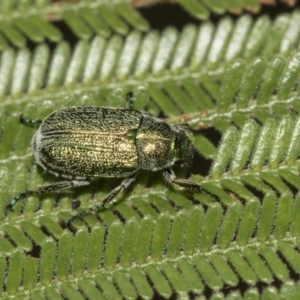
(84, 143)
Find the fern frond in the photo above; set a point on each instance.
(259, 90)
(202, 9)
(256, 161)
(19, 23)
(213, 249)
(152, 58)
(262, 157)
(242, 227)
(32, 20)
(273, 146)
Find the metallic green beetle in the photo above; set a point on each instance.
(82, 144)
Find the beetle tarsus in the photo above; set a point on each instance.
(61, 185)
(171, 178)
(129, 99)
(29, 121)
(76, 203)
(12, 203)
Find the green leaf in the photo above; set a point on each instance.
(233, 81)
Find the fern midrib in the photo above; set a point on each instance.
(15, 157)
(250, 172)
(194, 119)
(211, 115)
(63, 91)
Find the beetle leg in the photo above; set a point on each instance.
(61, 185)
(75, 203)
(29, 121)
(171, 178)
(110, 196)
(129, 99)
